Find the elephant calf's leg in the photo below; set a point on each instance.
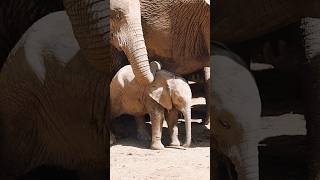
(157, 124)
(172, 121)
(142, 132)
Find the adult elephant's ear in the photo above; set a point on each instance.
(160, 94)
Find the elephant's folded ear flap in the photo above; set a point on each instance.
(161, 95)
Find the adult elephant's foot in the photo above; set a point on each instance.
(143, 135)
(157, 145)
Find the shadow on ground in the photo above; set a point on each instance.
(125, 131)
(283, 158)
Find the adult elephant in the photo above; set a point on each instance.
(54, 104)
(177, 34)
(236, 22)
(17, 16)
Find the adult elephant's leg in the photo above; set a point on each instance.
(112, 138)
(311, 29)
(207, 91)
(142, 132)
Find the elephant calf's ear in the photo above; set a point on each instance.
(161, 95)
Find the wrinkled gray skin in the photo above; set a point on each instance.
(54, 105)
(168, 92)
(239, 21)
(235, 109)
(177, 34)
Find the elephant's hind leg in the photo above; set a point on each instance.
(172, 121)
(142, 132)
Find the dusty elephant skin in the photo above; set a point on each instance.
(236, 22)
(47, 117)
(167, 93)
(53, 103)
(176, 33)
(236, 110)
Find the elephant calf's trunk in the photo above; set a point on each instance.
(187, 117)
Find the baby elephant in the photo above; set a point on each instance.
(167, 92)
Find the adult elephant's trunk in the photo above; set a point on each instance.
(130, 38)
(136, 53)
(311, 29)
(90, 23)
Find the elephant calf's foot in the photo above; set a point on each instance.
(175, 142)
(143, 135)
(186, 145)
(157, 145)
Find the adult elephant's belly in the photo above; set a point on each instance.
(182, 66)
(160, 48)
(53, 122)
(237, 21)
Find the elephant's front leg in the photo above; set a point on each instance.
(207, 93)
(142, 132)
(311, 28)
(112, 138)
(172, 121)
(157, 118)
